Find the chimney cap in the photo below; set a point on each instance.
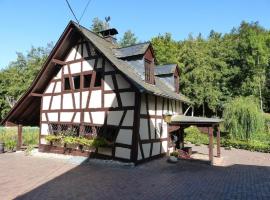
(108, 32)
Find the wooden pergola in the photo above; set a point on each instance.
(211, 123)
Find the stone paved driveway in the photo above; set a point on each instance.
(245, 176)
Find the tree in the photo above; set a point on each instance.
(128, 39)
(19, 74)
(99, 25)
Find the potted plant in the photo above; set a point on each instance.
(70, 142)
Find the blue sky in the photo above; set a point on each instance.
(26, 23)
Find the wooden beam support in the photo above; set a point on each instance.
(19, 142)
(35, 94)
(59, 62)
(211, 155)
(218, 142)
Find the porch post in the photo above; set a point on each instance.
(218, 141)
(19, 142)
(210, 135)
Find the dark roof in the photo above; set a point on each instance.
(29, 105)
(183, 119)
(108, 48)
(134, 50)
(165, 69)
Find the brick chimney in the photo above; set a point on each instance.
(109, 34)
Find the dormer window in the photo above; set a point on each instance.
(149, 71)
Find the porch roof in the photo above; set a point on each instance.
(190, 120)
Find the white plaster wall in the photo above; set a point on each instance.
(159, 106)
(77, 99)
(143, 129)
(121, 152)
(44, 129)
(59, 74)
(114, 117)
(67, 101)
(108, 83)
(88, 65)
(139, 153)
(164, 130)
(151, 104)
(77, 117)
(43, 117)
(121, 82)
(53, 117)
(65, 68)
(75, 68)
(85, 52)
(46, 102)
(99, 63)
(50, 88)
(58, 86)
(84, 98)
(158, 127)
(146, 150)
(164, 146)
(127, 98)
(71, 54)
(152, 127)
(98, 117)
(43, 141)
(87, 117)
(128, 120)
(66, 116)
(108, 67)
(78, 54)
(56, 102)
(95, 100)
(110, 100)
(156, 148)
(124, 136)
(143, 105)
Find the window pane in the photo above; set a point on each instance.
(67, 84)
(98, 79)
(76, 82)
(87, 80)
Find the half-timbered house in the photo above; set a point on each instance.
(89, 83)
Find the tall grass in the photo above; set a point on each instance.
(243, 118)
(30, 135)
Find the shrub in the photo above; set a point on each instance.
(195, 136)
(53, 138)
(99, 142)
(10, 145)
(243, 118)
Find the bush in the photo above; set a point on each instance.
(247, 145)
(195, 136)
(10, 145)
(243, 118)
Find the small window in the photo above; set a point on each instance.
(67, 84)
(76, 82)
(98, 79)
(87, 80)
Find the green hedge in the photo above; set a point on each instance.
(260, 142)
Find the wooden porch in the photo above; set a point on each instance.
(179, 122)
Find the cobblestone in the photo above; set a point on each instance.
(245, 175)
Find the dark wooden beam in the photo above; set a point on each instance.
(59, 62)
(35, 94)
(19, 142)
(211, 156)
(218, 142)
